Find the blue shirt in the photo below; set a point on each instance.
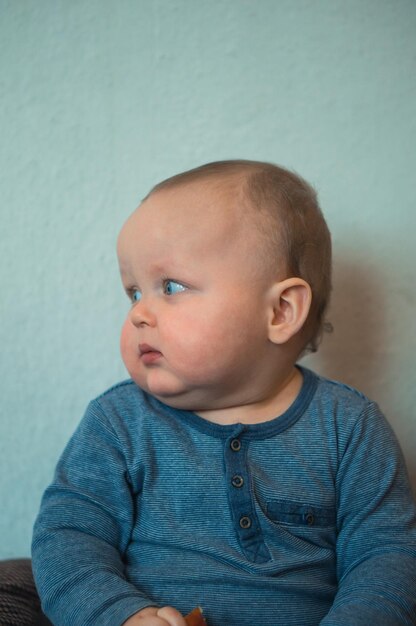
(303, 520)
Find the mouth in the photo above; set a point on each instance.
(148, 354)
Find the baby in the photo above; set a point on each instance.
(223, 474)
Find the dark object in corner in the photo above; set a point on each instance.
(19, 600)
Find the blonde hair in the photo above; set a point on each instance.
(293, 225)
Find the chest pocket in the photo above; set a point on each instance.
(296, 514)
(305, 533)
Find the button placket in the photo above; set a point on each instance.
(240, 498)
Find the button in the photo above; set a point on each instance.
(235, 445)
(310, 519)
(237, 481)
(245, 522)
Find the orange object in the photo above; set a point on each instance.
(195, 618)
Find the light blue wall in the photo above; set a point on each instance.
(100, 99)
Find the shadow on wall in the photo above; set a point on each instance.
(358, 351)
(355, 352)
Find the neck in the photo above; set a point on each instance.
(273, 403)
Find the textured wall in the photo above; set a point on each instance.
(100, 99)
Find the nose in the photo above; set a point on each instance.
(142, 315)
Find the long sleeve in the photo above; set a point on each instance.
(83, 529)
(327, 495)
(376, 544)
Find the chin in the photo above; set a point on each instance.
(172, 391)
(174, 400)
(172, 395)
(184, 400)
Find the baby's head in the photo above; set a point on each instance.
(284, 208)
(228, 267)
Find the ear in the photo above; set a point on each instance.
(290, 302)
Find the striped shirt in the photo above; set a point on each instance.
(303, 520)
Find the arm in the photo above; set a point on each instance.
(83, 530)
(376, 545)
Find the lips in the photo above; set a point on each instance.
(148, 354)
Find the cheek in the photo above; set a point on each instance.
(205, 339)
(125, 340)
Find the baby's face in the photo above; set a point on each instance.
(189, 260)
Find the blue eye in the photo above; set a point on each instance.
(171, 287)
(136, 295)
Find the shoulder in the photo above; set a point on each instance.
(353, 429)
(341, 395)
(118, 392)
(126, 418)
(125, 403)
(344, 408)
(335, 396)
